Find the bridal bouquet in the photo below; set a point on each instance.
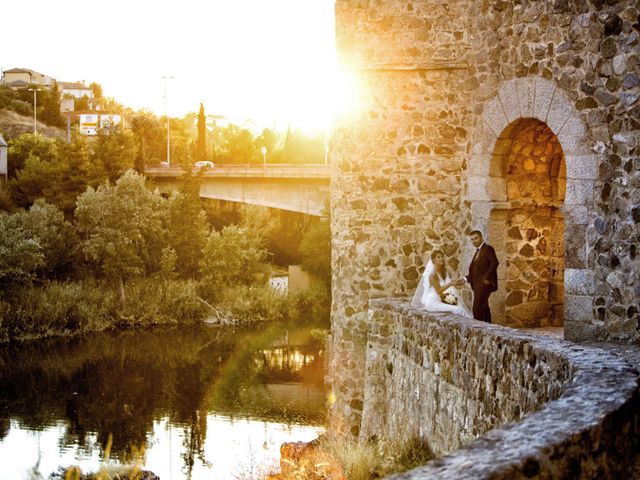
(450, 299)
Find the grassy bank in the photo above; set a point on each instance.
(77, 307)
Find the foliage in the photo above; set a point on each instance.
(29, 145)
(6, 96)
(254, 304)
(315, 248)
(163, 302)
(45, 224)
(121, 227)
(57, 308)
(366, 461)
(59, 176)
(201, 145)
(81, 104)
(187, 227)
(237, 145)
(96, 88)
(147, 134)
(50, 100)
(20, 255)
(114, 151)
(312, 306)
(234, 256)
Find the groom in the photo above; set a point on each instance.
(482, 276)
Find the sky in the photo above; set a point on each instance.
(272, 61)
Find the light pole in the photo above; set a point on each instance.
(35, 104)
(264, 156)
(166, 112)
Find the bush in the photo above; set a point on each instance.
(234, 256)
(21, 107)
(57, 308)
(250, 304)
(151, 301)
(313, 306)
(62, 308)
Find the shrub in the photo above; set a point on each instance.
(56, 308)
(21, 107)
(250, 304)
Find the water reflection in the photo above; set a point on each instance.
(203, 402)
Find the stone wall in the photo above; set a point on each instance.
(520, 406)
(422, 162)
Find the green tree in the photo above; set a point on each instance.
(45, 224)
(147, 133)
(315, 248)
(272, 142)
(29, 144)
(21, 256)
(81, 104)
(233, 256)
(187, 227)
(114, 151)
(51, 107)
(59, 179)
(238, 146)
(96, 88)
(121, 228)
(302, 148)
(201, 145)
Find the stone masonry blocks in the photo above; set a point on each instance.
(560, 110)
(484, 140)
(572, 137)
(578, 308)
(495, 117)
(582, 167)
(508, 94)
(579, 281)
(579, 192)
(542, 98)
(515, 405)
(526, 95)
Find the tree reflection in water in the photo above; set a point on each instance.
(121, 383)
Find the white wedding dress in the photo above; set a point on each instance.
(427, 297)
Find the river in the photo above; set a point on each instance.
(184, 402)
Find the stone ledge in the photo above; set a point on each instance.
(590, 431)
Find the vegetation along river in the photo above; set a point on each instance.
(185, 402)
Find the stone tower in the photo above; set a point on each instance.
(517, 117)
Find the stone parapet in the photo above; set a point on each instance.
(497, 402)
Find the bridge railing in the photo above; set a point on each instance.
(245, 170)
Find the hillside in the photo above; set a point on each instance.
(13, 125)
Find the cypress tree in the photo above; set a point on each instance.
(201, 145)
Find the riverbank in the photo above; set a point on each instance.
(73, 308)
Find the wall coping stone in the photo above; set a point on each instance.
(591, 431)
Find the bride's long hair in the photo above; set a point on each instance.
(416, 301)
(435, 253)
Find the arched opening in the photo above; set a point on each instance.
(529, 161)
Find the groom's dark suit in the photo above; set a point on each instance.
(483, 279)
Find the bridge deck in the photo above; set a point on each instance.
(244, 171)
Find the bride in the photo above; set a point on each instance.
(436, 291)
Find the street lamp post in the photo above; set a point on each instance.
(264, 156)
(166, 112)
(35, 105)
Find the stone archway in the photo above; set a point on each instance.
(505, 203)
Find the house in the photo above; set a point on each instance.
(75, 90)
(21, 77)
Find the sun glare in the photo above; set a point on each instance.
(271, 61)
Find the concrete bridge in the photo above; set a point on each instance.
(302, 188)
